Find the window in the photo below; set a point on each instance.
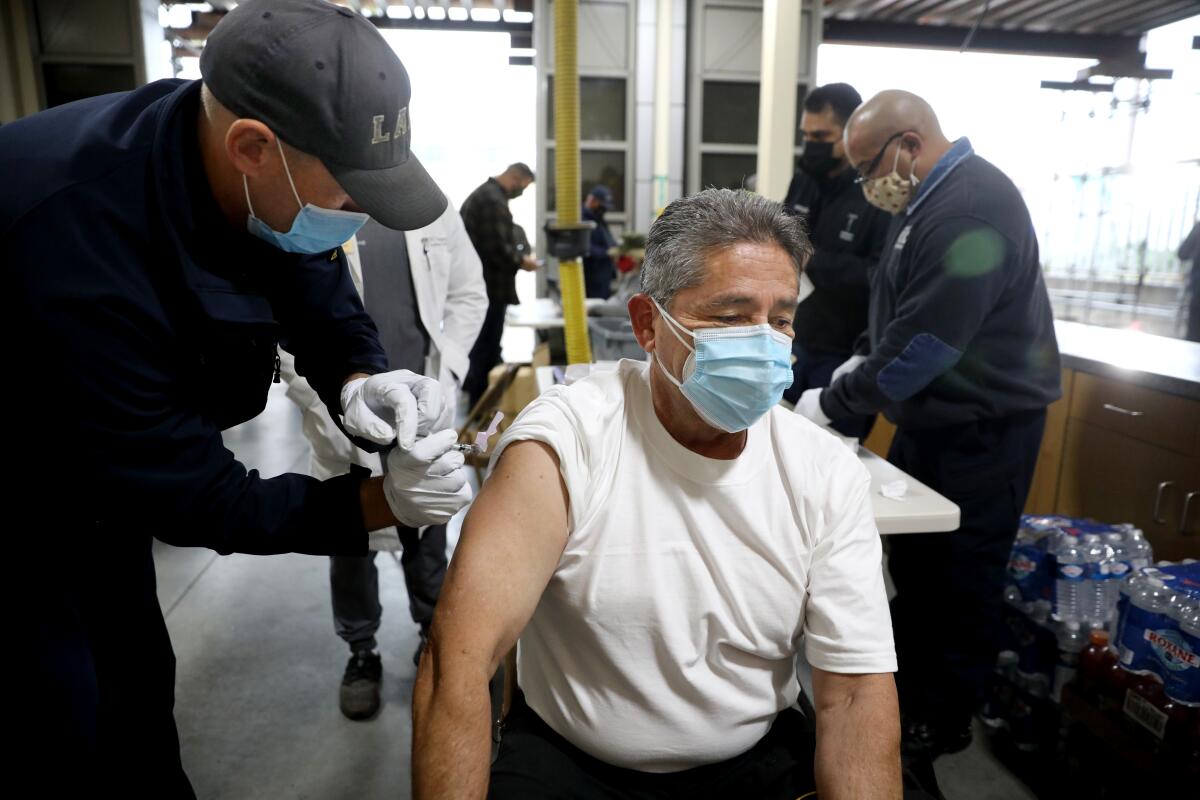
(731, 112)
(601, 109)
(726, 170)
(595, 166)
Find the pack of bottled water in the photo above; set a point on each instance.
(1158, 628)
(1064, 579)
(1076, 565)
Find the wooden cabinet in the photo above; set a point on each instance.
(1116, 452)
(1157, 418)
(1112, 477)
(1043, 491)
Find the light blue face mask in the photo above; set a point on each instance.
(314, 230)
(734, 375)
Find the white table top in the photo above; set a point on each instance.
(921, 511)
(543, 313)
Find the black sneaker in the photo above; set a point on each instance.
(421, 646)
(359, 694)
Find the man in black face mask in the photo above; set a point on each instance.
(847, 233)
(489, 223)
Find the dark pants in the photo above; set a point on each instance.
(92, 711)
(354, 581)
(946, 615)
(535, 762)
(598, 277)
(813, 371)
(486, 353)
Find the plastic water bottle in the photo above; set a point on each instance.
(1138, 550)
(1094, 590)
(1118, 568)
(1071, 641)
(1068, 585)
(1148, 607)
(1182, 681)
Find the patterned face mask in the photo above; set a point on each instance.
(891, 192)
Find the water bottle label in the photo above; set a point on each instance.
(1119, 569)
(1071, 572)
(1180, 657)
(1031, 571)
(1172, 650)
(1136, 651)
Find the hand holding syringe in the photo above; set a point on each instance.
(481, 439)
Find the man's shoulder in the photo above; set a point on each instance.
(594, 398)
(978, 192)
(70, 146)
(802, 440)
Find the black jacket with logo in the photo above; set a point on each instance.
(961, 326)
(847, 233)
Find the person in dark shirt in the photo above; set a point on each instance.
(599, 271)
(489, 223)
(963, 359)
(847, 233)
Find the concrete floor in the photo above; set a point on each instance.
(259, 667)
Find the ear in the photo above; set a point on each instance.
(641, 314)
(911, 141)
(250, 146)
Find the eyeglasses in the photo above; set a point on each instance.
(864, 172)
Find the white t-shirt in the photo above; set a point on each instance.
(668, 634)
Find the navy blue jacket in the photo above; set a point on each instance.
(961, 327)
(598, 267)
(139, 325)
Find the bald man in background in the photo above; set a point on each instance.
(963, 359)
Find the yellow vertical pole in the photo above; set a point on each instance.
(566, 172)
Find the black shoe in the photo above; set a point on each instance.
(359, 694)
(922, 739)
(421, 646)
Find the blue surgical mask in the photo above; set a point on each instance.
(314, 230)
(734, 375)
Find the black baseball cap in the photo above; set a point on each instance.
(323, 79)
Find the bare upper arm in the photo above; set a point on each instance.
(511, 543)
(836, 690)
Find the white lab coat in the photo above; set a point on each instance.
(452, 301)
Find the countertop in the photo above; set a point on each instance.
(1156, 362)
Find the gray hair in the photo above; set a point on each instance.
(692, 228)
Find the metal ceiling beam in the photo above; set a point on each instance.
(1112, 19)
(1047, 13)
(1005, 15)
(881, 10)
(965, 12)
(918, 11)
(856, 8)
(986, 39)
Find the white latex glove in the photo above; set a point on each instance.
(391, 407)
(809, 405)
(427, 485)
(847, 366)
